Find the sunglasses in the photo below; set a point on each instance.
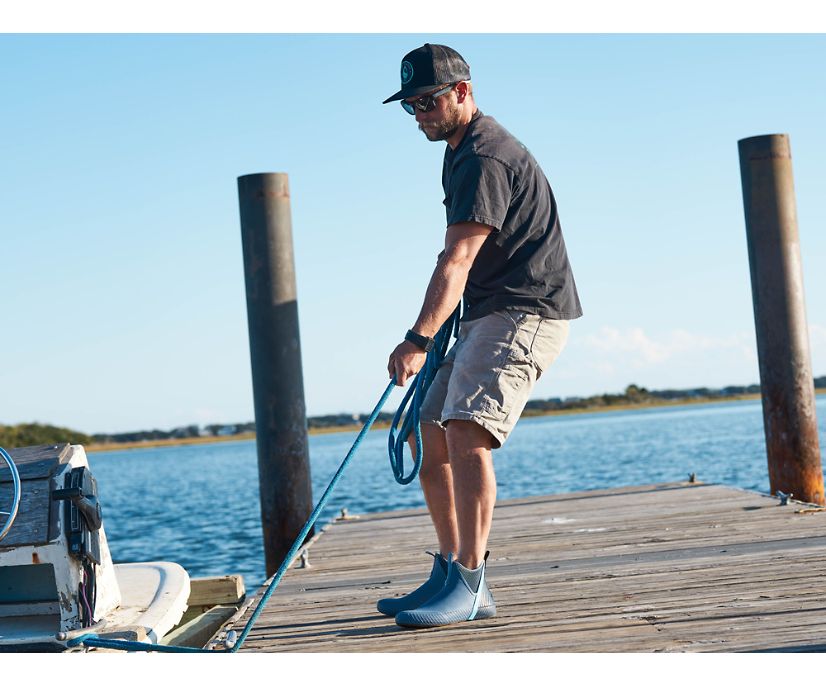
(426, 102)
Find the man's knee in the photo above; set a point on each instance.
(434, 449)
(434, 445)
(465, 436)
(431, 434)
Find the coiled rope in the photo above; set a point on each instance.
(414, 397)
(416, 392)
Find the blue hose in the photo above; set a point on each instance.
(415, 394)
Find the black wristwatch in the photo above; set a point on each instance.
(421, 341)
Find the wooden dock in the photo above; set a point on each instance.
(675, 567)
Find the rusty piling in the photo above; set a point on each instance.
(275, 354)
(787, 386)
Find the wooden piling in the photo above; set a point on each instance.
(786, 381)
(275, 352)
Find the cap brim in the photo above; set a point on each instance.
(405, 93)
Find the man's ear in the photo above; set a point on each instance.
(461, 91)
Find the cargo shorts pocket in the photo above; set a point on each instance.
(516, 372)
(509, 391)
(548, 342)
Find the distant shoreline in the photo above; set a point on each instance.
(178, 442)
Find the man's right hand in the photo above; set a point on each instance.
(405, 362)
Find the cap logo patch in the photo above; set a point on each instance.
(407, 72)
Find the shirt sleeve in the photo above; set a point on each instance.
(480, 190)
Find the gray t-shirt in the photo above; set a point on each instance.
(492, 179)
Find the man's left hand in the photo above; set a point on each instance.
(405, 361)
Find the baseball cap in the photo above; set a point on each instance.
(429, 67)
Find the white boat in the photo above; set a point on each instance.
(57, 578)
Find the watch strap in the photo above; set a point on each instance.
(421, 341)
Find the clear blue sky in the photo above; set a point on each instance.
(122, 273)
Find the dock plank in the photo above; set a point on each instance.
(658, 568)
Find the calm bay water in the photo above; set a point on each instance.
(198, 505)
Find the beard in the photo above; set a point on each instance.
(444, 129)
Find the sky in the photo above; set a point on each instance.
(122, 269)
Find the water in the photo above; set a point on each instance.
(198, 505)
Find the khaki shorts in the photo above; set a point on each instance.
(488, 374)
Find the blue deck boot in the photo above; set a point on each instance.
(464, 597)
(391, 606)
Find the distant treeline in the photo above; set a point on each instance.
(220, 429)
(191, 431)
(25, 434)
(39, 434)
(635, 395)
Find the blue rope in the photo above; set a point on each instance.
(92, 640)
(416, 393)
(415, 396)
(300, 538)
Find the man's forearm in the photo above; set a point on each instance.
(462, 243)
(443, 294)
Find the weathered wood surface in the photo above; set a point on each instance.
(200, 629)
(36, 521)
(31, 527)
(672, 567)
(205, 593)
(216, 590)
(39, 461)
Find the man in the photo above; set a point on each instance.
(505, 253)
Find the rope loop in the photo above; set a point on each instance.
(414, 397)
